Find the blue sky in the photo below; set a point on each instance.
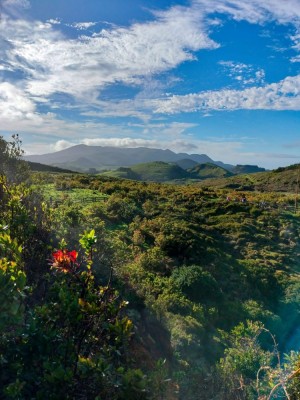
(216, 77)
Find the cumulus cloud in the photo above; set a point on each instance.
(54, 21)
(244, 73)
(283, 95)
(61, 145)
(83, 25)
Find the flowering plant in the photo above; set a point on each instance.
(65, 260)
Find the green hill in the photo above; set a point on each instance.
(209, 170)
(157, 171)
(160, 171)
(122, 173)
(186, 163)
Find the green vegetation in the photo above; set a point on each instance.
(157, 171)
(280, 180)
(209, 170)
(246, 169)
(165, 172)
(34, 166)
(119, 289)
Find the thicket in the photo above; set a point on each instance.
(64, 333)
(118, 289)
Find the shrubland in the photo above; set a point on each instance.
(117, 289)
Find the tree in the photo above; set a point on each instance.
(11, 164)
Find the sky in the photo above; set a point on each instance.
(198, 76)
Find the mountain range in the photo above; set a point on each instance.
(83, 158)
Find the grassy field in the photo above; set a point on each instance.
(73, 195)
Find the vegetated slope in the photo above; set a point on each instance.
(165, 172)
(279, 180)
(157, 171)
(186, 163)
(246, 169)
(122, 173)
(198, 267)
(37, 167)
(209, 170)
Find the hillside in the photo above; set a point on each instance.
(117, 289)
(209, 170)
(157, 171)
(45, 168)
(185, 163)
(246, 169)
(194, 268)
(280, 180)
(166, 172)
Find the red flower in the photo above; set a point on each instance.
(73, 255)
(64, 260)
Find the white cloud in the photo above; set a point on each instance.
(83, 25)
(125, 108)
(14, 104)
(121, 142)
(295, 59)
(82, 66)
(244, 73)
(47, 62)
(55, 21)
(16, 3)
(284, 95)
(61, 145)
(257, 11)
(254, 11)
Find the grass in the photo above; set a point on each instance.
(77, 195)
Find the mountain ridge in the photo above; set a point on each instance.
(82, 158)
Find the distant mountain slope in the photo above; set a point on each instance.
(45, 168)
(281, 180)
(209, 170)
(247, 169)
(85, 157)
